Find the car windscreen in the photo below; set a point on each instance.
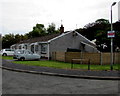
(9, 50)
(29, 52)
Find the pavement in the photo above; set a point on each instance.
(71, 73)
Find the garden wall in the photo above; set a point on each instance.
(95, 58)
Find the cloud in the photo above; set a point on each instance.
(19, 16)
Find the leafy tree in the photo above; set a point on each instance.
(40, 30)
(17, 38)
(52, 29)
(102, 21)
(37, 31)
(8, 40)
(116, 27)
(98, 30)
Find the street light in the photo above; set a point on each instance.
(112, 38)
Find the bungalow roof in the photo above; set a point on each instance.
(53, 37)
(40, 39)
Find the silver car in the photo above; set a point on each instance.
(7, 52)
(25, 55)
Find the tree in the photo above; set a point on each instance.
(98, 30)
(8, 40)
(116, 27)
(17, 38)
(52, 29)
(40, 30)
(102, 21)
(37, 31)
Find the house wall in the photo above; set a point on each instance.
(15, 46)
(89, 48)
(70, 40)
(22, 46)
(61, 43)
(28, 47)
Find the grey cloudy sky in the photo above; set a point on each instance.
(19, 16)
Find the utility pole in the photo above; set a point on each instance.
(111, 65)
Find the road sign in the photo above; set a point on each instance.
(111, 34)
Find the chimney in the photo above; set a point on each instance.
(61, 29)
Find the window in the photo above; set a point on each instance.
(12, 49)
(43, 48)
(25, 46)
(32, 48)
(36, 48)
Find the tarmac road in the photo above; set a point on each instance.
(26, 83)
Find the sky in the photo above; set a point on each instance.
(19, 16)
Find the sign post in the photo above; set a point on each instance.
(111, 34)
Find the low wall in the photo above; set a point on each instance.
(95, 58)
(58, 56)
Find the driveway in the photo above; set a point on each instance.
(26, 83)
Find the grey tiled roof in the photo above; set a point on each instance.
(40, 39)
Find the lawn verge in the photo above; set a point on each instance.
(62, 65)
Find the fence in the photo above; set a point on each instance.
(95, 58)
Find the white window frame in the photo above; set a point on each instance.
(43, 48)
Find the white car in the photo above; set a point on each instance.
(25, 55)
(7, 52)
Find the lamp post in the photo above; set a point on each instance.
(112, 39)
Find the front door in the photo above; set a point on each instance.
(32, 48)
(43, 50)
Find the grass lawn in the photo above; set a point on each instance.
(7, 57)
(63, 65)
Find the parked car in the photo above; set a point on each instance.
(25, 55)
(7, 52)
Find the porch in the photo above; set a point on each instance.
(41, 48)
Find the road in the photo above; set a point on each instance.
(26, 83)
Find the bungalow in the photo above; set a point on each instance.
(45, 45)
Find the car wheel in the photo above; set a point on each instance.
(22, 58)
(4, 54)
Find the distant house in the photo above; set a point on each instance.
(45, 45)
